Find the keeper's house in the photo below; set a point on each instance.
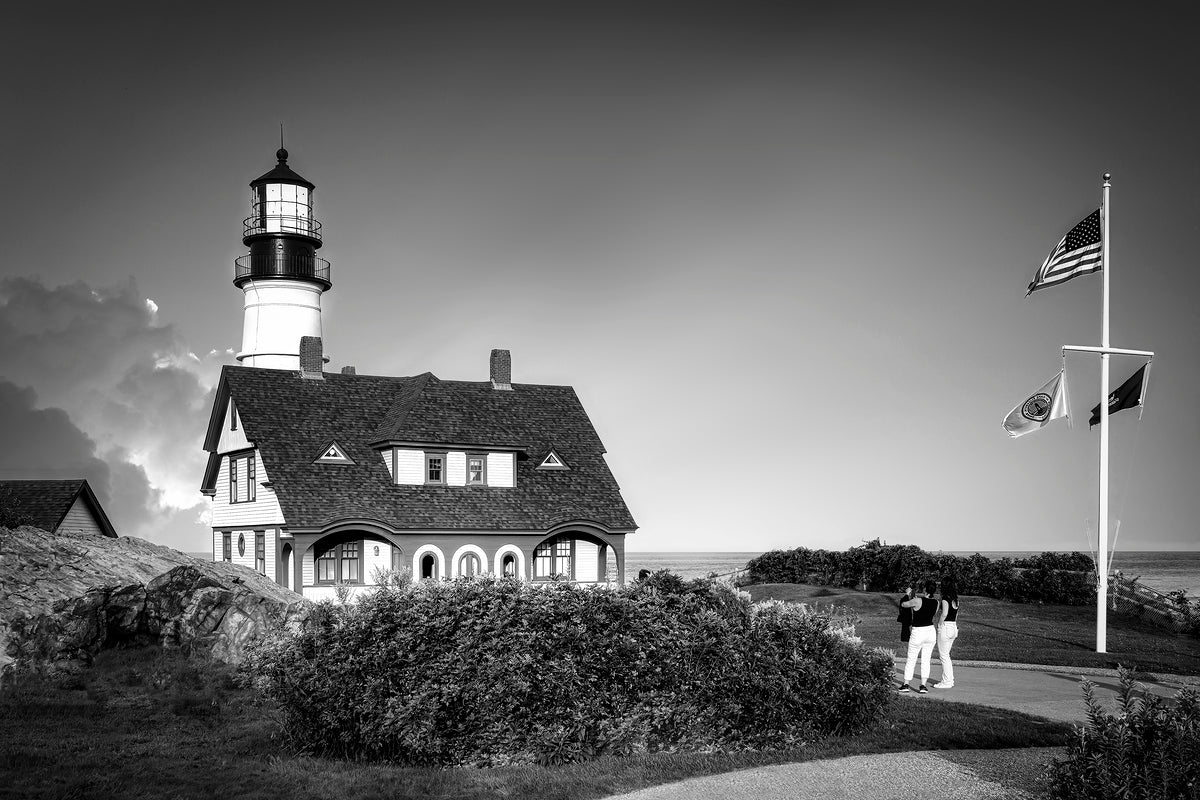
(320, 479)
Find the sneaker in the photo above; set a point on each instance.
(922, 689)
(904, 687)
(943, 686)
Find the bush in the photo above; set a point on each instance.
(1149, 750)
(1062, 578)
(491, 671)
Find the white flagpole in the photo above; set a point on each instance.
(1102, 522)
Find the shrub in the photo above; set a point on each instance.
(1063, 578)
(489, 671)
(1149, 749)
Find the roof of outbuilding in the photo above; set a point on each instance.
(45, 503)
(290, 418)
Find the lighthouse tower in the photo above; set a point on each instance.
(282, 276)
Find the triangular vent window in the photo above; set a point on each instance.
(333, 454)
(552, 461)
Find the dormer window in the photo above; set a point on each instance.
(476, 470)
(334, 454)
(435, 468)
(552, 461)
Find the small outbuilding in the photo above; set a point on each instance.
(64, 506)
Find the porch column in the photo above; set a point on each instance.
(619, 554)
(301, 542)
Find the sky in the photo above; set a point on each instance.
(780, 251)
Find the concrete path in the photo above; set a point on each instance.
(1052, 692)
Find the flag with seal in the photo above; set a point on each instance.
(1046, 404)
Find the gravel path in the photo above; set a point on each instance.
(946, 775)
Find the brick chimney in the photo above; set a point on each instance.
(501, 370)
(347, 370)
(312, 358)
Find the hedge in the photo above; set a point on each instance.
(490, 671)
(1061, 578)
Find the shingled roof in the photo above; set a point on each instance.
(44, 504)
(291, 419)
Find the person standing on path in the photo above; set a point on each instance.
(922, 638)
(905, 615)
(946, 625)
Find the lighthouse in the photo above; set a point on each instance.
(282, 277)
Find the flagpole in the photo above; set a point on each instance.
(1102, 522)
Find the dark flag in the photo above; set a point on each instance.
(1127, 395)
(1077, 254)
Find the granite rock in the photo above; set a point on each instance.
(64, 597)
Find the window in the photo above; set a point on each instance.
(428, 566)
(233, 420)
(508, 566)
(241, 478)
(260, 551)
(476, 469)
(350, 562)
(434, 468)
(340, 563)
(468, 565)
(226, 546)
(552, 558)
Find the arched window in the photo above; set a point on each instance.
(468, 565)
(428, 566)
(508, 566)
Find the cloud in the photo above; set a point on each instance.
(124, 402)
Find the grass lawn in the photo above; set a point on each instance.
(997, 630)
(147, 723)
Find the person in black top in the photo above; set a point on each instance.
(922, 637)
(905, 615)
(946, 625)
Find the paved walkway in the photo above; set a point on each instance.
(1052, 692)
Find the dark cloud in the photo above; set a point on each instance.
(124, 402)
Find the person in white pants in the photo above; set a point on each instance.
(946, 624)
(923, 636)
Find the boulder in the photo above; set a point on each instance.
(64, 597)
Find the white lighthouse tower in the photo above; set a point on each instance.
(282, 277)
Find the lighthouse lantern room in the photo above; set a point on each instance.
(282, 276)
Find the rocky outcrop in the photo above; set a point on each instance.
(64, 597)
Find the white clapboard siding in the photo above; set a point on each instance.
(263, 512)
(373, 563)
(269, 551)
(245, 559)
(456, 468)
(218, 545)
(500, 469)
(387, 460)
(231, 440)
(79, 519)
(410, 467)
(308, 573)
(587, 555)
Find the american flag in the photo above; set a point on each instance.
(1078, 253)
